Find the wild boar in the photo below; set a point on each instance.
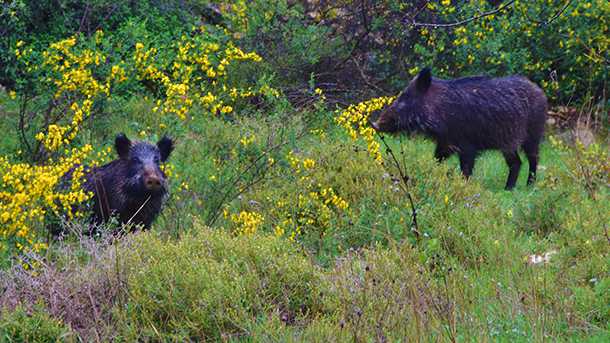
(472, 114)
(132, 187)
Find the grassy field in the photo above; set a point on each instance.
(483, 264)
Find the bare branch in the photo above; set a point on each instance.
(259, 176)
(465, 21)
(555, 16)
(405, 185)
(23, 124)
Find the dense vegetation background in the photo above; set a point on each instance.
(289, 219)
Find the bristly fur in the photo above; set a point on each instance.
(472, 114)
(119, 187)
(114, 194)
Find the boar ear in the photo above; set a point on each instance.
(165, 145)
(424, 78)
(122, 145)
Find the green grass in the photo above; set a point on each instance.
(366, 276)
(20, 326)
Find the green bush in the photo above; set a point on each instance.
(294, 46)
(525, 39)
(41, 23)
(209, 285)
(560, 46)
(19, 325)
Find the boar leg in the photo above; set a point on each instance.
(514, 164)
(467, 162)
(531, 151)
(442, 152)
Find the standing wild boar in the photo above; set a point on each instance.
(133, 187)
(472, 114)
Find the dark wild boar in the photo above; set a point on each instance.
(472, 114)
(132, 187)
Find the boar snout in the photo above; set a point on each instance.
(386, 122)
(152, 183)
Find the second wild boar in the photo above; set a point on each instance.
(472, 114)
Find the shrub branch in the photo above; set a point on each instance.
(465, 21)
(404, 177)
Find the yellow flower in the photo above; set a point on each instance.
(247, 223)
(309, 163)
(355, 118)
(247, 140)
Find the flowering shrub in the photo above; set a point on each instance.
(312, 208)
(196, 75)
(588, 166)
(309, 208)
(559, 44)
(31, 191)
(247, 223)
(76, 75)
(503, 43)
(355, 120)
